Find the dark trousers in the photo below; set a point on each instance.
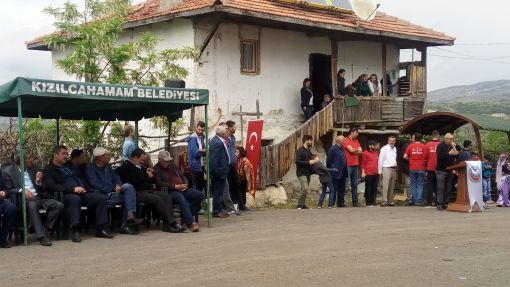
(430, 187)
(339, 186)
(53, 209)
(8, 212)
(243, 188)
(371, 183)
(444, 187)
(308, 112)
(73, 203)
(218, 187)
(197, 180)
(235, 187)
(188, 202)
(160, 201)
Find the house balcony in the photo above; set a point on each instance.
(387, 112)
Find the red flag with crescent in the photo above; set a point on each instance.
(253, 143)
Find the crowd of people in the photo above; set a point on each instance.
(363, 86)
(430, 182)
(135, 184)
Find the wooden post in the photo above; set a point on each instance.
(424, 64)
(479, 142)
(334, 60)
(241, 114)
(384, 70)
(258, 109)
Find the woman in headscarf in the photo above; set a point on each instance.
(246, 174)
(503, 180)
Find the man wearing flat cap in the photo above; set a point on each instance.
(103, 179)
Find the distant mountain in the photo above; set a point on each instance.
(483, 92)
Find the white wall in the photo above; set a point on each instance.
(358, 57)
(283, 66)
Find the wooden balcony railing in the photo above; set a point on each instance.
(383, 110)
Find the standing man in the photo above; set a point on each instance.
(8, 213)
(465, 154)
(417, 156)
(219, 165)
(103, 179)
(196, 156)
(304, 163)
(129, 142)
(353, 151)
(336, 160)
(62, 177)
(233, 176)
(369, 171)
(446, 153)
(387, 169)
(431, 186)
(341, 82)
(35, 196)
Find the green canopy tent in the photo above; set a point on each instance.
(48, 99)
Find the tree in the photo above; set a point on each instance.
(89, 37)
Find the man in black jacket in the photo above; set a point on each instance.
(58, 176)
(304, 163)
(446, 153)
(35, 196)
(141, 178)
(8, 213)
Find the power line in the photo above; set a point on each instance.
(474, 57)
(468, 58)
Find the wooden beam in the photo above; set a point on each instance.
(334, 60)
(384, 69)
(369, 131)
(479, 142)
(424, 63)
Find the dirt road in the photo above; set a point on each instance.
(400, 246)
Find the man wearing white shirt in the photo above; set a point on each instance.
(387, 169)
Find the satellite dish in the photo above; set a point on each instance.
(364, 9)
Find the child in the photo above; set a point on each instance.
(325, 178)
(486, 181)
(327, 100)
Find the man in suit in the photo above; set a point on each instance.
(8, 213)
(141, 178)
(35, 196)
(59, 176)
(219, 165)
(336, 160)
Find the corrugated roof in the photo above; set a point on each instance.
(285, 12)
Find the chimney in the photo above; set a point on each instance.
(167, 4)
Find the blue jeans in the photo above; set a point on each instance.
(339, 187)
(352, 172)
(325, 187)
(487, 192)
(126, 197)
(8, 212)
(188, 202)
(417, 182)
(218, 188)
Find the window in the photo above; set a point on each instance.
(250, 57)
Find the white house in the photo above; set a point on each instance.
(263, 49)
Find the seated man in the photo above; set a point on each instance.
(8, 213)
(189, 199)
(131, 171)
(61, 177)
(103, 179)
(35, 196)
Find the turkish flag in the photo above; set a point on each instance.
(253, 142)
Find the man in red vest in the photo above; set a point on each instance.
(417, 156)
(431, 186)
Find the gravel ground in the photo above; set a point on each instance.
(399, 246)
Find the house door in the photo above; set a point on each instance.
(320, 74)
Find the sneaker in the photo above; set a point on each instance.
(440, 208)
(304, 207)
(246, 209)
(221, 214)
(202, 212)
(384, 204)
(391, 204)
(490, 202)
(319, 206)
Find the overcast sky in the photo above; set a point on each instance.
(471, 22)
